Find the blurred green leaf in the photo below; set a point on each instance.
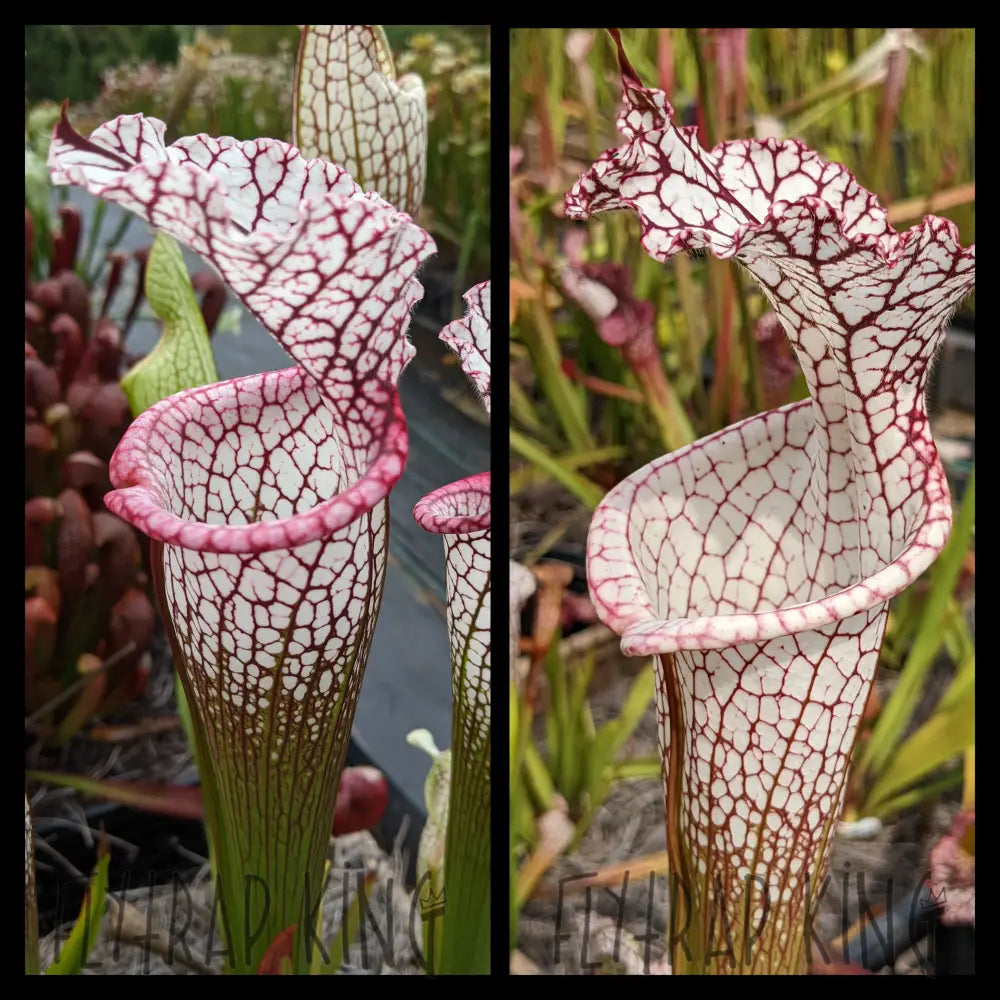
(639, 767)
(540, 783)
(898, 710)
(948, 732)
(348, 931)
(587, 492)
(76, 950)
(612, 736)
(913, 798)
(182, 801)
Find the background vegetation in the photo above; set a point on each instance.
(237, 80)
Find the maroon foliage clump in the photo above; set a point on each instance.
(87, 618)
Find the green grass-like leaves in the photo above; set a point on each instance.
(74, 953)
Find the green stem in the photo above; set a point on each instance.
(671, 420)
(521, 718)
(750, 352)
(589, 494)
(465, 945)
(464, 255)
(268, 802)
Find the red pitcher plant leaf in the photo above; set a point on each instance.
(41, 385)
(42, 581)
(361, 800)
(362, 796)
(460, 512)
(757, 564)
(40, 517)
(604, 291)
(213, 297)
(351, 109)
(67, 243)
(266, 496)
(85, 472)
(69, 346)
(277, 960)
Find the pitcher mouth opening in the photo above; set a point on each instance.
(460, 508)
(708, 604)
(256, 464)
(653, 637)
